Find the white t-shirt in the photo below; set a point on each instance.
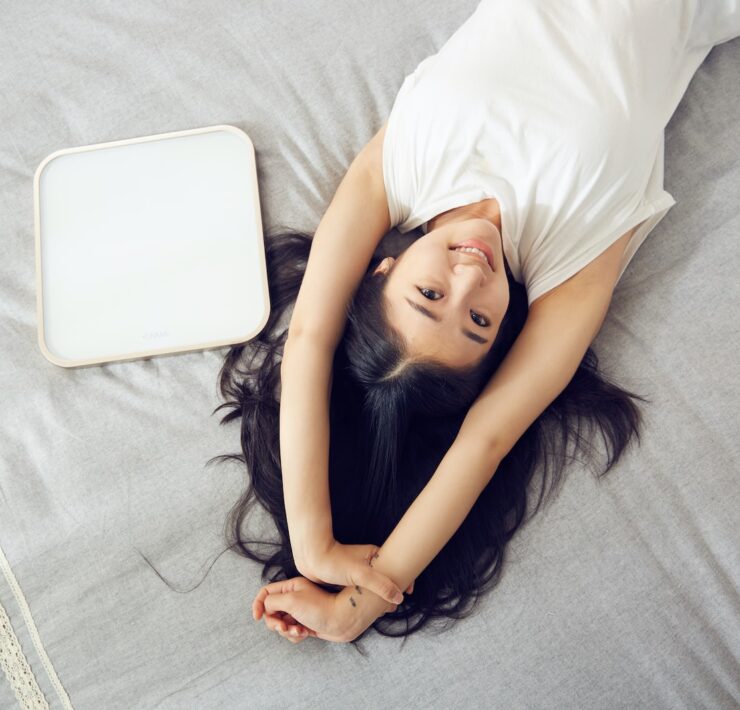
(556, 109)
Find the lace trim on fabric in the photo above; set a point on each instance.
(9, 643)
(16, 668)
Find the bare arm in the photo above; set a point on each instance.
(559, 328)
(431, 520)
(347, 236)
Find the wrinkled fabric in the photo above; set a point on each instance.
(557, 110)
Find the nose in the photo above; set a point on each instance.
(470, 276)
(467, 279)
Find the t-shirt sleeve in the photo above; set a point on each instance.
(580, 240)
(539, 281)
(395, 154)
(400, 173)
(713, 23)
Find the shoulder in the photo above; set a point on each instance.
(369, 163)
(371, 155)
(560, 327)
(597, 278)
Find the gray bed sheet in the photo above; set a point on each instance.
(619, 594)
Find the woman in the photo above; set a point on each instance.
(534, 137)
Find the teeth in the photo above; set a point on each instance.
(474, 250)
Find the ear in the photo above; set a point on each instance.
(384, 266)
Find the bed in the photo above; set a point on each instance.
(621, 593)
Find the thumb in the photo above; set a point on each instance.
(378, 583)
(280, 602)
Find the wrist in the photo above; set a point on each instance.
(310, 543)
(356, 608)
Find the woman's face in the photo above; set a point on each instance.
(464, 299)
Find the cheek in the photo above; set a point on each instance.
(502, 301)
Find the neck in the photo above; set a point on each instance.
(485, 209)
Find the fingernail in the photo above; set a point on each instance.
(294, 632)
(397, 598)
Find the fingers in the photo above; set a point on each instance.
(284, 624)
(380, 584)
(279, 602)
(276, 612)
(288, 628)
(294, 636)
(294, 625)
(377, 582)
(277, 615)
(258, 605)
(276, 619)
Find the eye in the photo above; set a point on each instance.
(483, 324)
(473, 314)
(421, 290)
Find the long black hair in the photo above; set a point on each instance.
(392, 419)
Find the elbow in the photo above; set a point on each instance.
(490, 444)
(497, 449)
(490, 431)
(301, 336)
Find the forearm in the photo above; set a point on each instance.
(426, 527)
(304, 442)
(346, 238)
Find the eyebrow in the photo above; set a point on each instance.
(429, 314)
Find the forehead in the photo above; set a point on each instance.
(424, 337)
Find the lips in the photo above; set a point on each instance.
(485, 248)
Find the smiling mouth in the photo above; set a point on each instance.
(487, 252)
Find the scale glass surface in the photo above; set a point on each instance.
(149, 246)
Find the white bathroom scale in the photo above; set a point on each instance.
(149, 246)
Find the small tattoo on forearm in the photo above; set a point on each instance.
(353, 601)
(359, 591)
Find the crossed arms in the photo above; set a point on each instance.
(538, 367)
(559, 329)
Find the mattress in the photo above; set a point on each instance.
(621, 593)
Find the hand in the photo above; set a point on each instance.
(349, 566)
(299, 600)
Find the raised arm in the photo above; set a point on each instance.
(559, 328)
(347, 236)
